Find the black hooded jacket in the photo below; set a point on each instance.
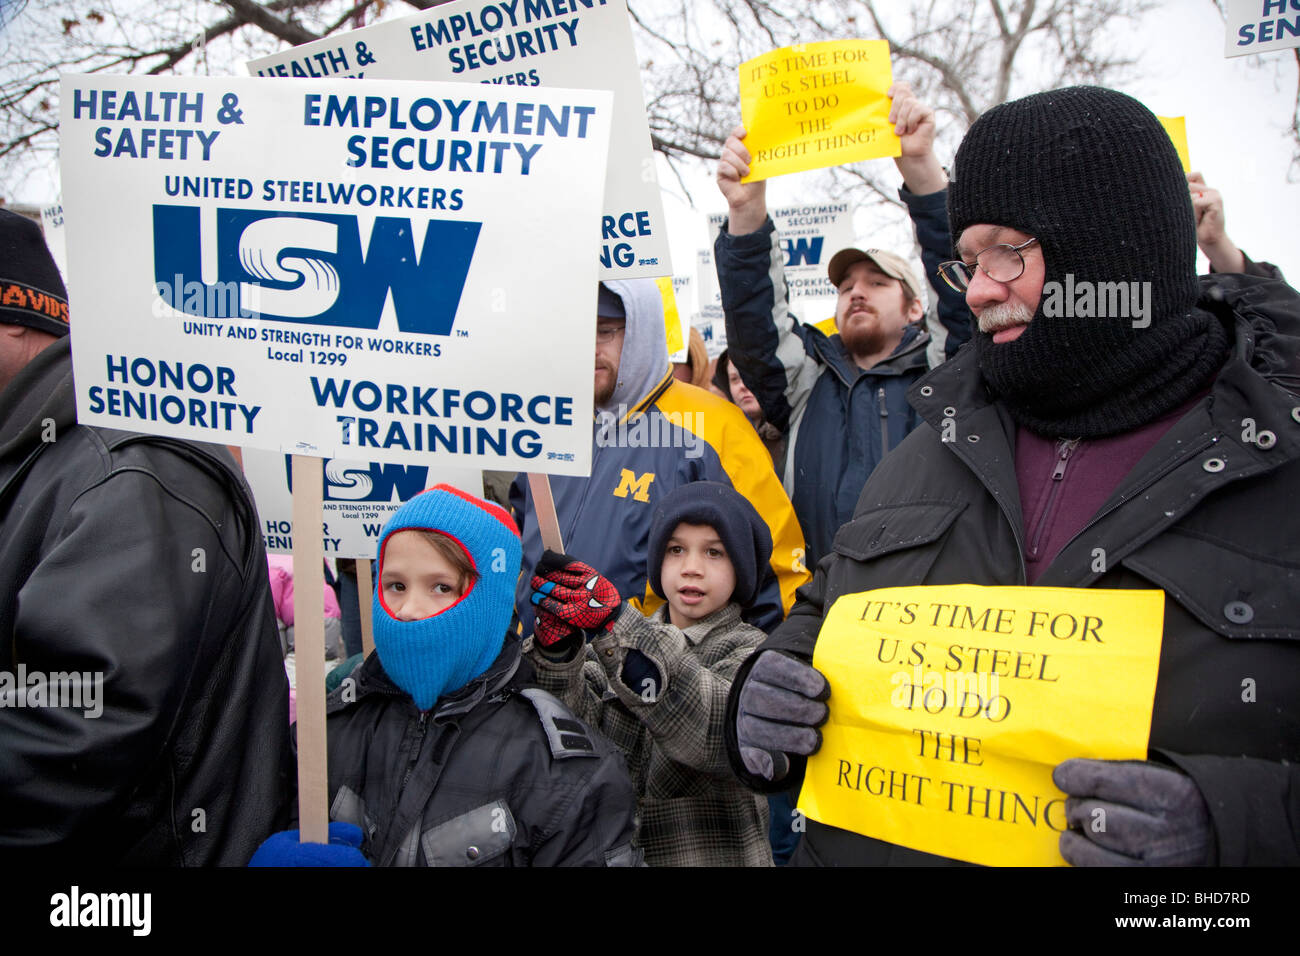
(498, 773)
(1209, 515)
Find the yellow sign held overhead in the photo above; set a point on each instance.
(1176, 127)
(950, 706)
(816, 105)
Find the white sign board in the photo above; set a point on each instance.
(254, 264)
(580, 44)
(358, 498)
(52, 225)
(710, 320)
(810, 235)
(1261, 26)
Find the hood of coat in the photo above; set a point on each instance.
(42, 390)
(644, 360)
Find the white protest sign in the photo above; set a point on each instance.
(358, 498)
(810, 234)
(249, 266)
(52, 225)
(1260, 26)
(579, 44)
(710, 320)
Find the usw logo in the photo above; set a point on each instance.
(802, 251)
(367, 481)
(310, 267)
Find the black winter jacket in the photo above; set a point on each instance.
(1207, 516)
(500, 773)
(139, 559)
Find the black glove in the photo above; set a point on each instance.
(780, 708)
(1132, 813)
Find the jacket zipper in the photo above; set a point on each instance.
(884, 422)
(415, 752)
(1064, 449)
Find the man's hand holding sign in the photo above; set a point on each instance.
(953, 710)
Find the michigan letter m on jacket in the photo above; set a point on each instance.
(637, 485)
(310, 267)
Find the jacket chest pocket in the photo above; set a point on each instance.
(471, 839)
(1232, 592)
(908, 533)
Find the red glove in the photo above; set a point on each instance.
(569, 596)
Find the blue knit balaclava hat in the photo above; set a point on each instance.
(444, 652)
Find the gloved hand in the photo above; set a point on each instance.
(283, 849)
(780, 708)
(1132, 813)
(569, 596)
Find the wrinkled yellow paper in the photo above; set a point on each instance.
(951, 705)
(816, 105)
(1176, 127)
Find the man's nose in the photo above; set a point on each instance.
(984, 291)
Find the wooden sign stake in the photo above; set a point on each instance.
(309, 648)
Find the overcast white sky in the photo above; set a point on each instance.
(1237, 110)
(1237, 114)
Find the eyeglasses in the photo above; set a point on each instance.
(608, 333)
(1001, 263)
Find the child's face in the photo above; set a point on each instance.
(417, 580)
(697, 575)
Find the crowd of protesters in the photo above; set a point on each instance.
(649, 695)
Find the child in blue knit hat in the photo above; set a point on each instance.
(442, 751)
(658, 687)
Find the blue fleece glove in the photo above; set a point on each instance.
(284, 849)
(1132, 813)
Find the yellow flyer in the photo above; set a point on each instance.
(816, 105)
(1176, 127)
(951, 705)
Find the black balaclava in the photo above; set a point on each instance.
(1093, 176)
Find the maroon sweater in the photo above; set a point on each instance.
(1063, 482)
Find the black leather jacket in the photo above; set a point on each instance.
(136, 559)
(499, 773)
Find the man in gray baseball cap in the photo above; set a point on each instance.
(839, 398)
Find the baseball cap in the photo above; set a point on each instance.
(892, 265)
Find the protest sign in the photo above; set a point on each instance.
(1261, 26)
(1176, 127)
(816, 105)
(710, 321)
(684, 306)
(326, 268)
(673, 336)
(358, 498)
(810, 234)
(578, 44)
(52, 225)
(951, 705)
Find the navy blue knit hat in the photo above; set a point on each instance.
(726, 511)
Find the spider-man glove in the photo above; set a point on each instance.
(570, 596)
